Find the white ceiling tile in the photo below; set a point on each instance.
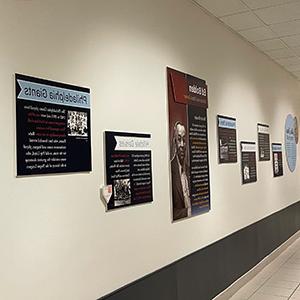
(289, 61)
(280, 13)
(221, 8)
(279, 37)
(257, 34)
(292, 41)
(280, 53)
(289, 28)
(242, 21)
(297, 73)
(293, 68)
(254, 4)
(296, 50)
(269, 44)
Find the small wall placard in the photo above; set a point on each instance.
(248, 162)
(277, 159)
(128, 169)
(227, 139)
(263, 132)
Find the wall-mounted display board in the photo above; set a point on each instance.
(277, 159)
(248, 162)
(188, 103)
(53, 127)
(227, 139)
(263, 132)
(291, 139)
(128, 168)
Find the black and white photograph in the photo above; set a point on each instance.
(224, 150)
(246, 172)
(77, 123)
(122, 192)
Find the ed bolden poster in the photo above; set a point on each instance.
(188, 103)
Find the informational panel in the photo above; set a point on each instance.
(188, 102)
(263, 132)
(128, 168)
(277, 159)
(248, 162)
(291, 139)
(53, 127)
(227, 139)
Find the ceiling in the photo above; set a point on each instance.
(273, 26)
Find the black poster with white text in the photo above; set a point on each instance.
(53, 127)
(263, 142)
(277, 159)
(248, 162)
(198, 151)
(227, 139)
(128, 168)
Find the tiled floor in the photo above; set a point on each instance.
(280, 280)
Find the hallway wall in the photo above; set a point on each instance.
(57, 240)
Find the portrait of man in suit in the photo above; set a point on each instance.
(180, 174)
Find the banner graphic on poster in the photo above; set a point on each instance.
(128, 169)
(291, 140)
(248, 162)
(263, 132)
(277, 159)
(53, 127)
(227, 139)
(188, 103)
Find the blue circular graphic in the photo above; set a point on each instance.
(290, 142)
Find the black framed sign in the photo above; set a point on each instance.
(227, 139)
(128, 169)
(277, 159)
(53, 127)
(263, 132)
(248, 162)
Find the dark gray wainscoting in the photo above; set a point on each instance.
(207, 272)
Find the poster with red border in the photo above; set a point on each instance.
(189, 159)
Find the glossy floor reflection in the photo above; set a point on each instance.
(280, 280)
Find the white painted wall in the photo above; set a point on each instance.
(57, 242)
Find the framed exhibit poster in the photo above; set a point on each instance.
(53, 127)
(291, 140)
(277, 159)
(188, 103)
(248, 162)
(263, 132)
(128, 168)
(227, 139)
